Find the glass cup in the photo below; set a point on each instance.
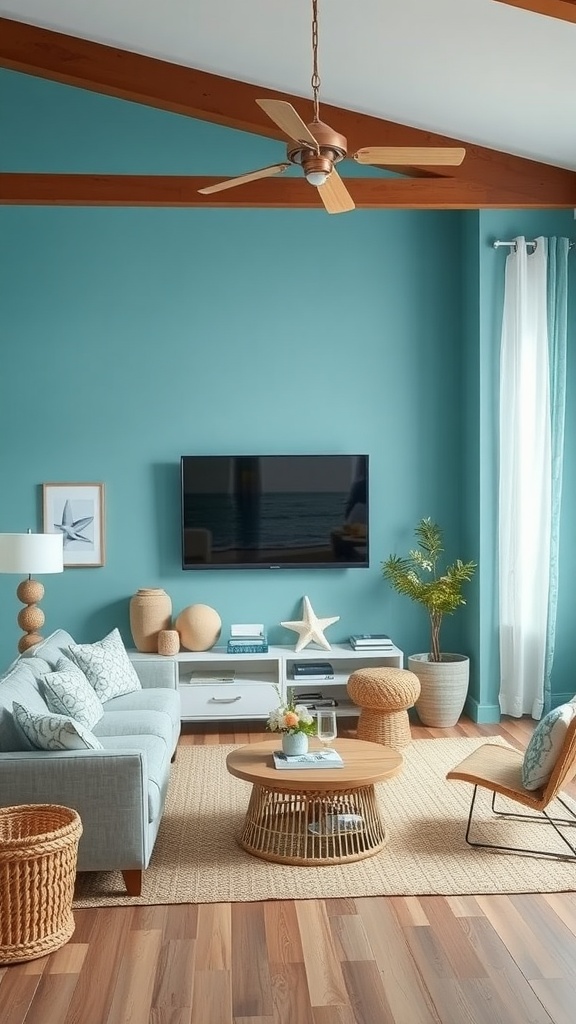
(326, 725)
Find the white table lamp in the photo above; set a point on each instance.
(29, 553)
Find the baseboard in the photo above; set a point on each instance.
(489, 714)
(483, 714)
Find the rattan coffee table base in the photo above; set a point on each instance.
(303, 828)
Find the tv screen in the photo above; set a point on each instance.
(274, 511)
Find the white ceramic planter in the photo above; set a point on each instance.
(294, 743)
(443, 688)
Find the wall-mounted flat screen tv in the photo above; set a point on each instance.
(274, 511)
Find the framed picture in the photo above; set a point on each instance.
(76, 511)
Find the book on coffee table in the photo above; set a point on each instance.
(328, 758)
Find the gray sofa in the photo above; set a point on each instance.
(119, 790)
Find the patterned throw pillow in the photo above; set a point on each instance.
(53, 732)
(106, 666)
(68, 692)
(544, 746)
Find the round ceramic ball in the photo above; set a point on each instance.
(199, 627)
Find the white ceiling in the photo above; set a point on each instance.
(475, 70)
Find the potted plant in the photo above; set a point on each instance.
(443, 677)
(295, 723)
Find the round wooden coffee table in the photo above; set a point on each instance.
(314, 816)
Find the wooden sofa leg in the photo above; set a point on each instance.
(133, 881)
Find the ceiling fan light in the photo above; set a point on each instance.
(317, 178)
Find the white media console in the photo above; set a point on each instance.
(215, 685)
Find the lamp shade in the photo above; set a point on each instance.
(31, 553)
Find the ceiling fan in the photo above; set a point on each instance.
(317, 148)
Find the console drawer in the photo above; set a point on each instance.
(201, 701)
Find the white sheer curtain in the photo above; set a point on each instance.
(525, 488)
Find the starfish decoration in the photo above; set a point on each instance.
(310, 629)
(72, 529)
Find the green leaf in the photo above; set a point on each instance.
(417, 577)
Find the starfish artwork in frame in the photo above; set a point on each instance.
(77, 512)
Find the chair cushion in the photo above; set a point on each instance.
(54, 732)
(68, 692)
(106, 666)
(545, 745)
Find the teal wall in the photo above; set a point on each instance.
(131, 336)
(134, 335)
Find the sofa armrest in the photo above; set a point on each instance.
(109, 789)
(155, 670)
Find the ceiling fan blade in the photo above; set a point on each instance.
(264, 172)
(335, 195)
(406, 156)
(289, 120)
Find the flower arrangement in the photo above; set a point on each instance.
(291, 718)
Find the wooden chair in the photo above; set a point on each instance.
(498, 769)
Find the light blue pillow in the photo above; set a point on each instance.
(68, 692)
(107, 666)
(53, 732)
(545, 745)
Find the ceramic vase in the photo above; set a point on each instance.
(150, 611)
(168, 642)
(294, 743)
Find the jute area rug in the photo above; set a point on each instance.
(196, 858)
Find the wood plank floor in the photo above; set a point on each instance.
(375, 960)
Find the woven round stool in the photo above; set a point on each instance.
(384, 696)
(38, 854)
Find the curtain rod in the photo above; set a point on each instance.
(512, 244)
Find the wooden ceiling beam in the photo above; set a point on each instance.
(563, 9)
(193, 93)
(271, 193)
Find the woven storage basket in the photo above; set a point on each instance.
(38, 853)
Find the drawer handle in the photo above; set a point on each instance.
(225, 700)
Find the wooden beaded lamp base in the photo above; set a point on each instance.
(31, 618)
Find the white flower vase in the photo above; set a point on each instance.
(294, 743)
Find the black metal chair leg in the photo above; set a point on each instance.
(544, 818)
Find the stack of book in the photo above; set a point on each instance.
(314, 759)
(247, 638)
(314, 700)
(371, 642)
(312, 671)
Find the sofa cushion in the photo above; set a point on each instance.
(106, 666)
(53, 732)
(51, 648)
(153, 699)
(68, 692)
(157, 762)
(545, 743)
(136, 723)
(21, 683)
